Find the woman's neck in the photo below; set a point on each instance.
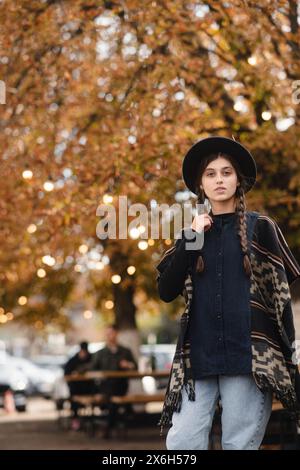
(222, 208)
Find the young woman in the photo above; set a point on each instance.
(236, 333)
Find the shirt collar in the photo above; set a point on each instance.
(226, 218)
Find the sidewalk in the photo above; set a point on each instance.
(38, 429)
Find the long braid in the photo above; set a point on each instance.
(200, 261)
(242, 231)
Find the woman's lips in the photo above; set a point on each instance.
(220, 189)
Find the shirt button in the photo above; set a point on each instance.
(220, 339)
(219, 252)
(219, 274)
(218, 317)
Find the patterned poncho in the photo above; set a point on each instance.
(274, 269)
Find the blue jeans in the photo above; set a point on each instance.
(245, 414)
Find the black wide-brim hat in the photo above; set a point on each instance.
(216, 144)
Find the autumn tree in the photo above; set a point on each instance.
(103, 99)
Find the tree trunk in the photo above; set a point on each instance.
(124, 307)
(125, 318)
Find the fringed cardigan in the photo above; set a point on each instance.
(274, 269)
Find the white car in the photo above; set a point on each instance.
(41, 380)
(156, 357)
(14, 380)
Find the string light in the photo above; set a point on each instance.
(48, 186)
(87, 314)
(22, 300)
(252, 60)
(134, 233)
(143, 245)
(109, 304)
(99, 265)
(31, 228)
(266, 115)
(107, 198)
(49, 260)
(41, 272)
(27, 174)
(116, 279)
(141, 228)
(131, 270)
(83, 249)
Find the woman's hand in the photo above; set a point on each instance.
(202, 221)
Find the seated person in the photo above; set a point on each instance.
(113, 357)
(77, 364)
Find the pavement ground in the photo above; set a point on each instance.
(39, 429)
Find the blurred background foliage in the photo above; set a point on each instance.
(103, 99)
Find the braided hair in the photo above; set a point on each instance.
(240, 209)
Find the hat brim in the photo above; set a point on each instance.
(210, 145)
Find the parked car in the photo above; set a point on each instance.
(15, 381)
(160, 356)
(53, 362)
(40, 380)
(156, 357)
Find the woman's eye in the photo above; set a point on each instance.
(225, 173)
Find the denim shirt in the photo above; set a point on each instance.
(220, 322)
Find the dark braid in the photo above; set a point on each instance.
(241, 208)
(200, 261)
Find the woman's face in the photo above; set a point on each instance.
(219, 174)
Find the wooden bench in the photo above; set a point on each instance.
(129, 418)
(277, 405)
(90, 403)
(87, 411)
(140, 398)
(89, 400)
